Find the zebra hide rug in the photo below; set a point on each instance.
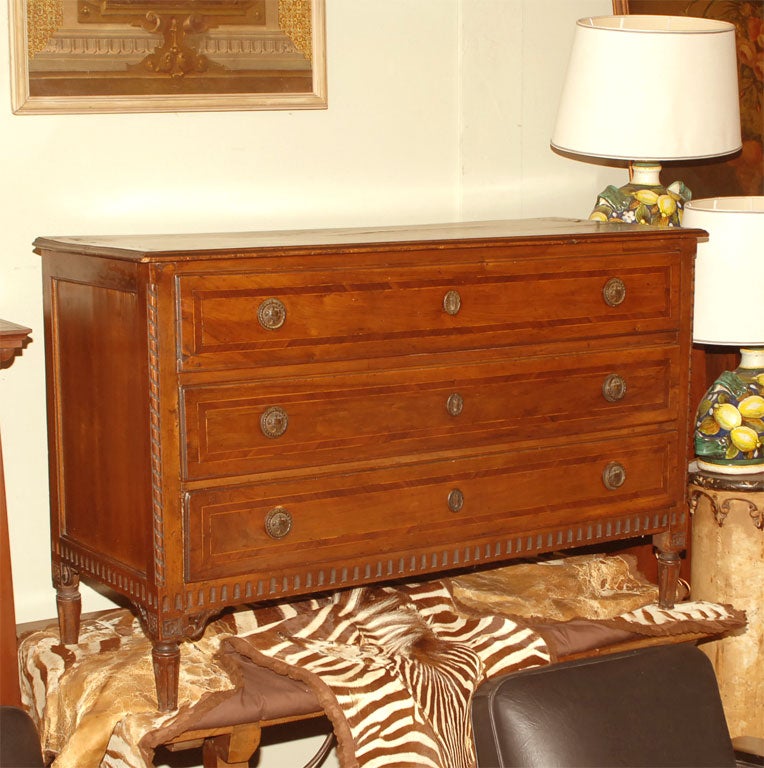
(394, 668)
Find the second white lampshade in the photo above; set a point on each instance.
(626, 95)
(729, 272)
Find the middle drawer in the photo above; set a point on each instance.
(270, 424)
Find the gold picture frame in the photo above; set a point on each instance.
(106, 56)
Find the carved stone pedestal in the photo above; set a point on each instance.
(728, 567)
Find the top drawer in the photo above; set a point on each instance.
(265, 318)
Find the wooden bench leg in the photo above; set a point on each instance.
(232, 750)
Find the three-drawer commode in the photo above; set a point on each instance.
(237, 418)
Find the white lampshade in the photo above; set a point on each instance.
(729, 272)
(650, 88)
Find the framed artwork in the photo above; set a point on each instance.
(167, 55)
(741, 174)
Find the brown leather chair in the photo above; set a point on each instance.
(656, 707)
(19, 741)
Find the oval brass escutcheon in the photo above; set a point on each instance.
(614, 475)
(455, 500)
(278, 522)
(274, 421)
(271, 314)
(455, 404)
(614, 292)
(452, 302)
(614, 388)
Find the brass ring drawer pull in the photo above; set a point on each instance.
(614, 475)
(614, 292)
(455, 500)
(455, 404)
(278, 523)
(614, 388)
(452, 302)
(271, 314)
(274, 421)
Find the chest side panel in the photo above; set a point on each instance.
(98, 410)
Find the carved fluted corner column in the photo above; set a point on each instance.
(728, 567)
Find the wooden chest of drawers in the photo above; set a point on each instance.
(239, 418)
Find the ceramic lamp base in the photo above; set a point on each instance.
(729, 425)
(643, 200)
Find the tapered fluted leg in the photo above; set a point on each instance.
(68, 604)
(668, 547)
(166, 658)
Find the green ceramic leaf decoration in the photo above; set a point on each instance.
(712, 448)
(708, 427)
(613, 198)
(733, 383)
(643, 214)
(757, 425)
(678, 188)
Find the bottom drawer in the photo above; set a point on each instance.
(262, 528)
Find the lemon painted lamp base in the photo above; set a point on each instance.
(644, 200)
(729, 424)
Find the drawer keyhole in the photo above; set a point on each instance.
(614, 475)
(614, 388)
(274, 421)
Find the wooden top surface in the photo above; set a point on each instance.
(154, 247)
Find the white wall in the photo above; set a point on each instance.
(438, 110)
(514, 55)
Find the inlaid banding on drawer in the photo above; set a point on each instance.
(367, 513)
(398, 311)
(374, 416)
